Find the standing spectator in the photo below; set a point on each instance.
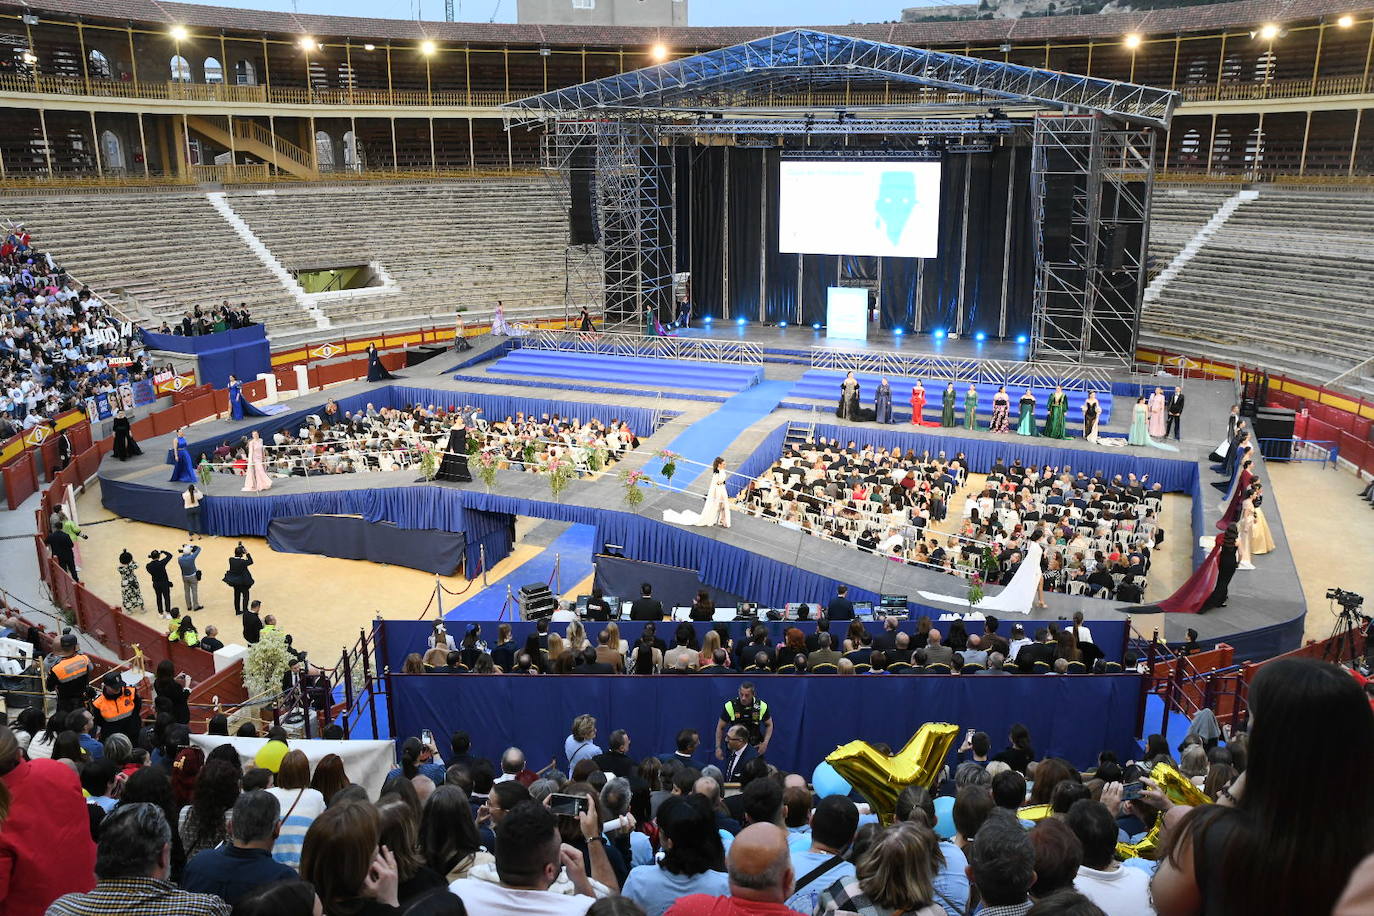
(162, 583)
(531, 862)
(231, 870)
(41, 811)
(300, 806)
(190, 577)
(693, 857)
(239, 578)
(176, 688)
(1258, 850)
(63, 550)
(130, 596)
(252, 623)
(69, 676)
(118, 706)
(191, 502)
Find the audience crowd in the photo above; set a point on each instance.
(1098, 531)
(148, 823)
(59, 343)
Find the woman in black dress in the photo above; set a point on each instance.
(124, 445)
(454, 464)
(1227, 564)
(849, 398)
(376, 372)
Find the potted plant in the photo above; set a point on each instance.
(669, 464)
(560, 473)
(487, 463)
(429, 461)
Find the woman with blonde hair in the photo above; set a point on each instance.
(579, 745)
(556, 646)
(414, 664)
(577, 637)
(709, 644)
(895, 875)
(435, 658)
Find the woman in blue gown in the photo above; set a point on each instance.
(882, 402)
(183, 468)
(376, 372)
(239, 407)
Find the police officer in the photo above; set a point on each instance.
(117, 708)
(750, 712)
(70, 675)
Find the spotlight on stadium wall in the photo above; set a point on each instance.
(939, 334)
(1346, 21)
(980, 337)
(307, 43)
(178, 32)
(1021, 338)
(1131, 40)
(427, 48)
(1269, 31)
(369, 47)
(659, 52)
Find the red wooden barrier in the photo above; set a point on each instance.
(169, 420)
(226, 685)
(46, 455)
(80, 436)
(255, 390)
(143, 429)
(21, 480)
(98, 618)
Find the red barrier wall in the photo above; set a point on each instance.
(21, 480)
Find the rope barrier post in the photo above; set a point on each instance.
(438, 598)
(557, 574)
(482, 562)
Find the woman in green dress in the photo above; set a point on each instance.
(971, 407)
(947, 416)
(1058, 407)
(1140, 431)
(1025, 426)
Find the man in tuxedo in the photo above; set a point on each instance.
(840, 608)
(737, 752)
(647, 607)
(1174, 422)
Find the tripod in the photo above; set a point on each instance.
(1346, 637)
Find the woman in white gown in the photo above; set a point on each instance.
(499, 327)
(255, 477)
(717, 508)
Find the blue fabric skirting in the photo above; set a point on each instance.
(348, 538)
(1074, 717)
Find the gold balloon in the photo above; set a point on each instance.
(881, 778)
(1034, 813)
(1181, 791)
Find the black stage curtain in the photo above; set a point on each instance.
(897, 301)
(780, 292)
(747, 188)
(940, 277)
(1021, 263)
(819, 271)
(705, 184)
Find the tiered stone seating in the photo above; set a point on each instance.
(447, 245)
(1176, 214)
(157, 254)
(1287, 277)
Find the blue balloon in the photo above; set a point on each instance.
(826, 781)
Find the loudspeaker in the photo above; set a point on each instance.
(1275, 423)
(581, 213)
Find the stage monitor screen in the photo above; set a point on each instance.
(859, 207)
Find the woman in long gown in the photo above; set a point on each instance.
(499, 327)
(918, 405)
(717, 508)
(1261, 539)
(882, 402)
(1226, 569)
(1058, 407)
(947, 407)
(1025, 423)
(849, 398)
(376, 372)
(971, 407)
(124, 445)
(1092, 409)
(130, 595)
(1245, 530)
(239, 407)
(255, 475)
(454, 465)
(1157, 422)
(1001, 408)
(1139, 434)
(183, 468)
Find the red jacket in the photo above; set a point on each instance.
(47, 813)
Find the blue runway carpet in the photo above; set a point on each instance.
(573, 546)
(709, 436)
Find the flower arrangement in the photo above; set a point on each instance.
(266, 662)
(669, 464)
(486, 468)
(561, 473)
(596, 459)
(975, 589)
(987, 570)
(633, 481)
(429, 460)
(474, 444)
(529, 451)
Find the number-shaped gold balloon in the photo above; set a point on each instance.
(881, 778)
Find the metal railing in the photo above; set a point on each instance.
(230, 173)
(1275, 89)
(1016, 374)
(1326, 451)
(637, 345)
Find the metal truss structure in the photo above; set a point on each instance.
(1091, 185)
(804, 60)
(1013, 374)
(608, 343)
(1096, 143)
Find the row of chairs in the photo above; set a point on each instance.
(909, 668)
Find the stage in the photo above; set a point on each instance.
(804, 338)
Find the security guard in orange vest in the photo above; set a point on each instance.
(70, 676)
(117, 709)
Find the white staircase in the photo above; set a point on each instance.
(218, 201)
(1195, 244)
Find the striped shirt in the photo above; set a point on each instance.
(308, 805)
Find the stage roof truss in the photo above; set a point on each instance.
(803, 60)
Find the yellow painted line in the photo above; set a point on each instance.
(1335, 400)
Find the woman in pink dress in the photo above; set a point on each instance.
(1156, 408)
(255, 477)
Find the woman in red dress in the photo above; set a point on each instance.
(918, 406)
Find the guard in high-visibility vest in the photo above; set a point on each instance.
(70, 676)
(117, 709)
(749, 711)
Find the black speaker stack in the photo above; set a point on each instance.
(536, 601)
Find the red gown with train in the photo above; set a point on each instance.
(918, 406)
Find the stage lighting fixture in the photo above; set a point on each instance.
(307, 43)
(741, 321)
(939, 334)
(179, 33)
(1346, 21)
(707, 319)
(369, 47)
(816, 326)
(1269, 31)
(659, 52)
(1132, 40)
(782, 324)
(427, 47)
(1021, 338)
(980, 337)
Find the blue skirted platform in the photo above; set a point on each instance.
(667, 373)
(821, 384)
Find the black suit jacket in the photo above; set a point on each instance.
(1176, 404)
(731, 767)
(840, 609)
(616, 763)
(1035, 652)
(252, 626)
(598, 609)
(646, 609)
(238, 573)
